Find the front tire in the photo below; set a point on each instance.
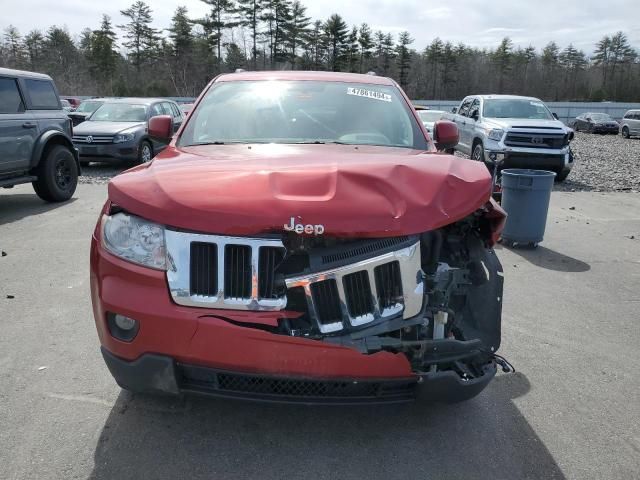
(57, 175)
(625, 133)
(478, 153)
(562, 176)
(145, 152)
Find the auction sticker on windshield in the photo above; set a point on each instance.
(362, 92)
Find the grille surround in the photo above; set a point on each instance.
(408, 259)
(178, 246)
(96, 139)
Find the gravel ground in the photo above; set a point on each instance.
(603, 163)
(606, 163)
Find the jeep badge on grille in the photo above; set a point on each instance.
(301, 228)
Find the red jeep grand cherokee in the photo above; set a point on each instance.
(301, 240)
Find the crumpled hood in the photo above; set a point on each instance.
(508, 123)
(104, 128)
(352, 191)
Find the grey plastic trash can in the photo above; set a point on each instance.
(525, 198)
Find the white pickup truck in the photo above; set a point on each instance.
(519, 131)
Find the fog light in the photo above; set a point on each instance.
(125, 323)
(122, 327)
(493, 156)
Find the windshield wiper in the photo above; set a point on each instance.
(216, 142)
(322, 142)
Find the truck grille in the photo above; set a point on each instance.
(240, 273)
(536, 140)
(95, 139)
(224, 272)
(204, 269)
(364, 292)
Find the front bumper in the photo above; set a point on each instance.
(116, 151)
(606, 129)
(181, 349)
(158, 374)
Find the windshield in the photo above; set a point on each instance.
(303, 112)
(88, 107)
(516, 108)
(120, 112)
(600, 117)
(430, 116)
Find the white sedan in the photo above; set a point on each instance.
(429, 117)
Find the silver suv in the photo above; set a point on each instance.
(521, 132)
(630, 124)
(35, 136)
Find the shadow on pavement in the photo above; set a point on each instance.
(551, 260)
(20, 205)
(195, 437)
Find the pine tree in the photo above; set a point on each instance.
(142, 38)
(365, 41)
(217, 21)
(34, 45)
(403, 57)
(502, 57)
(387, 52)
(353, 50)
(249, 16)
(102, 54)
(296, 30)
(15, 47)
(179, 54)
(434, 53)
(336, 33)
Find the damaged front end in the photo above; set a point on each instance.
(434, 297)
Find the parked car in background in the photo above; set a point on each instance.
(520, 132)
(118, 130)
(186, 108)
(429, 118)
(35, 136)
(73, 101)
(85, 109)
(630, 124)
(301, 241)
(66, 106)
(596, 123)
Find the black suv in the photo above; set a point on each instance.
(35, 136)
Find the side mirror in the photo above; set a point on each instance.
(475, 114)
(161, 127)
(555, 115)
(454, 110)
(445, 134)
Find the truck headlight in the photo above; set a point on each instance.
(496, 134)
(134, 239)
(123, 137)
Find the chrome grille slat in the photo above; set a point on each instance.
(410, 302)
(238, 290)
(101, 139)
(250, 283)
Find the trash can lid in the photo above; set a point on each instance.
(525, 172)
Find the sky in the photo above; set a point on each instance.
(478, 23)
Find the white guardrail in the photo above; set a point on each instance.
(566, 111)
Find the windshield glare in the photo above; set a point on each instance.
(120, 112)
(303, 112)
(88, 107)
(430, 115)
(516, 108)
(601, 117)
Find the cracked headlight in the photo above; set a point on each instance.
(123, 137)
(495, 134)
(134, 239)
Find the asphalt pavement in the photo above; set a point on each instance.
(571, 327)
